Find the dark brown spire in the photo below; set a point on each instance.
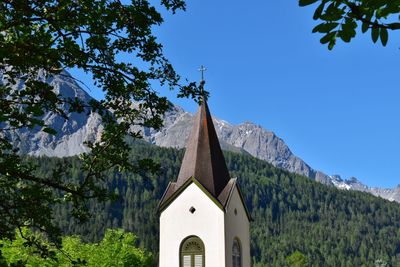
(203, 158)
(203, 164)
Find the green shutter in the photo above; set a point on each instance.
(192, 253)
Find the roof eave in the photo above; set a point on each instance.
(241, 198)
(174, 195)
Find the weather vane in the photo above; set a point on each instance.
(202, 70)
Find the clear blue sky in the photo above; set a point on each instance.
(337, 110)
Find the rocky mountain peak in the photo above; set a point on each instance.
(71, 134)
(246, 137)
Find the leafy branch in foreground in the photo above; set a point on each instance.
(340, 19)
(114, 43)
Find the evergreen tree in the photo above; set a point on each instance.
(330, 227)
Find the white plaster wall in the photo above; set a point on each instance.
(177, 223)
(237, 226)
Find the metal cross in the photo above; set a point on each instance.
(202, 70)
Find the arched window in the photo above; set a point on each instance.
(236, 253)
(192, 252)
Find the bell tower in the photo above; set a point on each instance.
(203, 217)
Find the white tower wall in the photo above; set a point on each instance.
(237, 226)
(207, 223)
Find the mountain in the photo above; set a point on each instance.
(71, 134)
(247, 138)
(258, 142)
(392, 194)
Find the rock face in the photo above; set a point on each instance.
(392, 194)
(71, 134)
(244, 138)
(247, 137)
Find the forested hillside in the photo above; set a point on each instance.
(291, 212)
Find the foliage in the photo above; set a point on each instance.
(341, 18)
(380, 263)
(297, 259)
(331, 227)
(118, 248)
(114, 42)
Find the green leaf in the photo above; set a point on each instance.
(375, 34)
(384, 36)
(345, 36)
(49, 130)
(331, 44)
(318, 11)
(317, 28)
(306, 2)
(364, 27)
(333, 13)
(348, 30)
(328, 37)
(325, 27)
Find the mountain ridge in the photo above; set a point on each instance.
(246, 137)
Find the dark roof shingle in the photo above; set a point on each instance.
(203, 160)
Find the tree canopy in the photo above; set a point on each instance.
(113, 42)
(329, 226)
(296, 259)
(339, 19)
(117, 248)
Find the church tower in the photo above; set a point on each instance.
(203, 217)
